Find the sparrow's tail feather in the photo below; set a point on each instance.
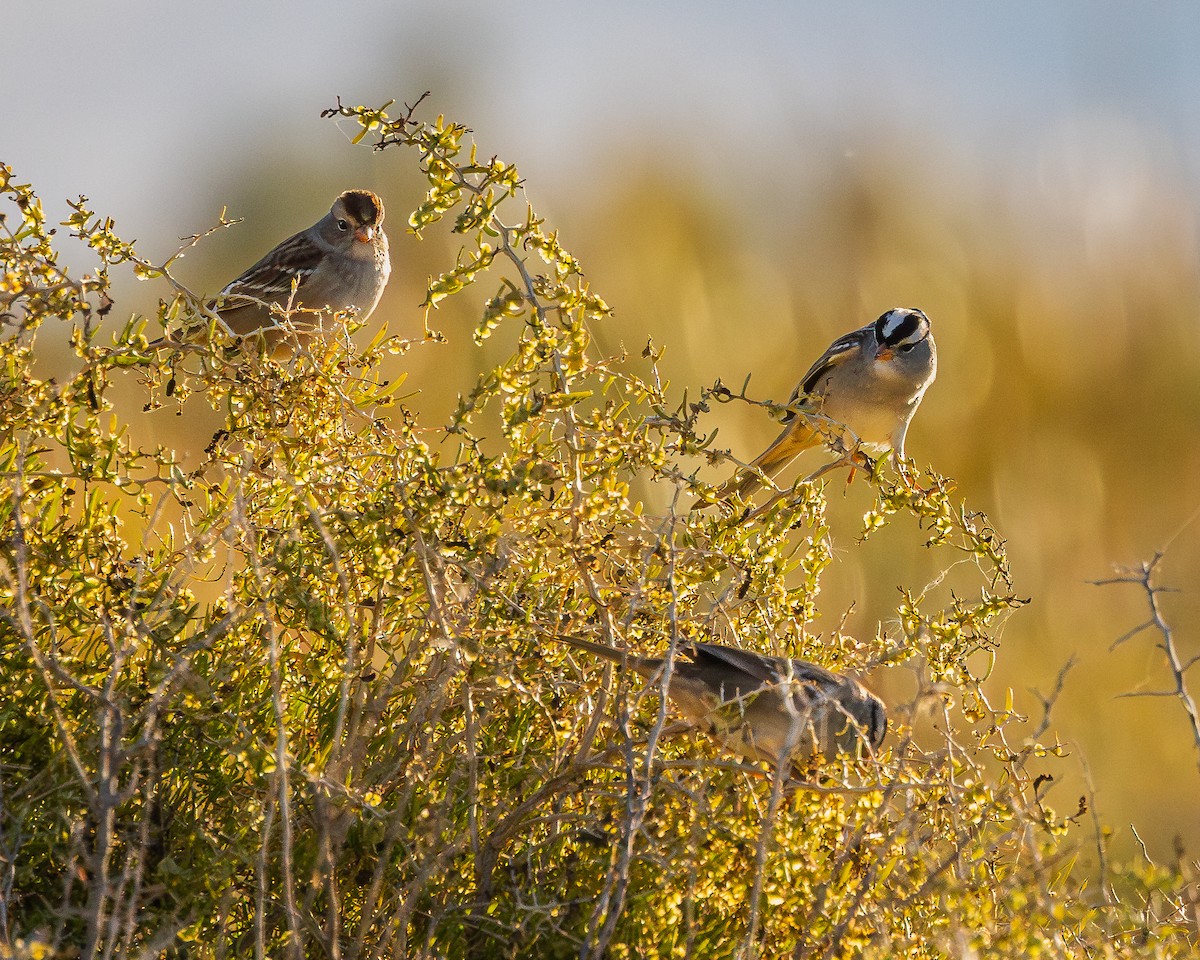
(616, 655)
(796, 437)
(194, 333)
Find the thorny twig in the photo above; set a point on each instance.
(1144, 576)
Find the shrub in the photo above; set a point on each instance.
(306, 698)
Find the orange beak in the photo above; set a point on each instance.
(364, 234)
(884, 354)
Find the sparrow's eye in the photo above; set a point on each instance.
(343, 226)
(906, 347)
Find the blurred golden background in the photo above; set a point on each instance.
(742, 188)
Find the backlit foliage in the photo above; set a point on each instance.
(304, 699)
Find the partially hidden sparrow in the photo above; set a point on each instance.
(771, 709)
(338, 263)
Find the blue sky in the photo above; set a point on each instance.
(157, 109)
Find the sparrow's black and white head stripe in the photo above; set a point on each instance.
(363, 206)
(877, 724)
(901, 326)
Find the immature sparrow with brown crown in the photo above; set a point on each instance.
(863, 390)
(762, 708)
(340, 262)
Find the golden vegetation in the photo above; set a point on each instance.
(294, 697)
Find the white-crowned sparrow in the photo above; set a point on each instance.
(341, 261)
(863, 390)
(770, 709)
